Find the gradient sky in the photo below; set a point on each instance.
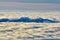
(29, 4)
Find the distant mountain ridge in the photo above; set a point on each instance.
(27, 19)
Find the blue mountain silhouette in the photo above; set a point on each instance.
(4, 20)
(26, 19)
(22, 19)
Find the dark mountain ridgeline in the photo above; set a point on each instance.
(26, 19)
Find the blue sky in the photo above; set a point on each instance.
(29, 4)
(33, 1)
